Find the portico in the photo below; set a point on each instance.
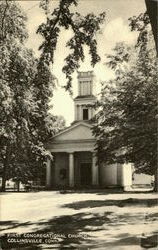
(74, 158)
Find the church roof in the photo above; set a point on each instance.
(73, 127)
(77, 137)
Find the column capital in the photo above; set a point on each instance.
(70, 152)
(94, 152)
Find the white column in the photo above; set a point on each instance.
(81, 84)
(76, 112)
(88, 88)
(79, 89)
(127, 176)
(71, 170)
(91, 88)
(90, 113)
(80, 113)
(48, 173)
(95, 179)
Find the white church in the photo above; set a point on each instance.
(74, 163)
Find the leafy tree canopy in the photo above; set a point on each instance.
(126, 123)
(84, 33)
(12, 26)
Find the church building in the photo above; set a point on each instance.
(74, 163)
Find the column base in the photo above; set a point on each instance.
(127, 188)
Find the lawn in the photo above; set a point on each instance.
(79, 220)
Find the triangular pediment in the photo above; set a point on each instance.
(79, 131)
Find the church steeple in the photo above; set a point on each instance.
(86, 96)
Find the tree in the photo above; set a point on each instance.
(84, 30)
(25, 91)
(126, 123)
(13, 83)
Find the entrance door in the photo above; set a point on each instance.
(86, 174)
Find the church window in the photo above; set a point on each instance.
(85, 114)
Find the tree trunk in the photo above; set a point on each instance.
(156, 181)
(4, 179)
(152, 12)
(5, 168)
(18, 186)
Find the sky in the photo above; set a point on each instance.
(115, 29)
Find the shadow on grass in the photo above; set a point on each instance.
(118, 203)
(146, 242)
(75, 228)
(7, 225)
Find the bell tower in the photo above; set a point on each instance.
(86, 96)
